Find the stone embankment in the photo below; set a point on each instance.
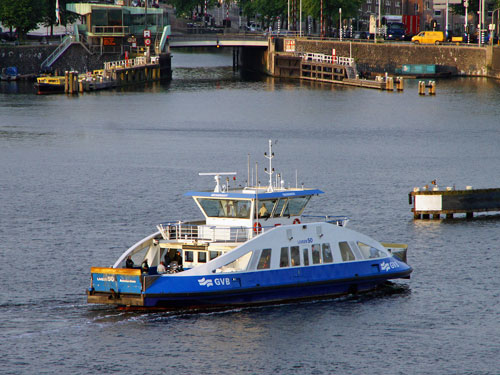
(386, 57)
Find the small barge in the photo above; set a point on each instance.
(254, 246)
(435, 202)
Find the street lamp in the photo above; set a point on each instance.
(340, 23)
(447, 1)
(466, 31)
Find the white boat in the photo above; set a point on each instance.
(254, 246)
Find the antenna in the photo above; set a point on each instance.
(248, 171)
(218, 188)
(271, 170)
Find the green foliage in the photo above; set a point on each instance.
(49, 12)
(272, 8)
(22, 15)
(186, 7)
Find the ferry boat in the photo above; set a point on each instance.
(254, 246)
(49, 85)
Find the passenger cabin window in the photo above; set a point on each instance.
(295, 256)
(327, 253)
(305, 253)
(346, 252)
(316, 255)
(239, 209)
(369, 252)
(188, 256)
(265, 260)
(214, 254)
(284, 257)
(238, 265)
(202, 257)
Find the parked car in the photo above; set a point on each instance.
(8, 36)
(360, 35)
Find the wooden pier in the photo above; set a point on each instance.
(436, 202)
(120, 73)
(331, 69)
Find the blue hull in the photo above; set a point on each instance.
(269, 287)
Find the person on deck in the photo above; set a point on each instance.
(263, 211)
(161, 268)
(129, 263)
(145, 267)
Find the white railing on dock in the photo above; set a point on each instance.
(189, 231)
(329, 59)
(129, 63)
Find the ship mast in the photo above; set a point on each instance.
(271, 170)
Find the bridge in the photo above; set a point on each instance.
(218, 40)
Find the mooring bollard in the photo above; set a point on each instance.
(389, 83)
(421, 87)
(66, 81)
(432, 88)
(399, 84)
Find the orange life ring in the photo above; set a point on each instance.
(296, 221)
(257, 228)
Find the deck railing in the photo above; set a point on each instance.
(185, 231)
(329, 59)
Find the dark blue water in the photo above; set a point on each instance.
(84, 177)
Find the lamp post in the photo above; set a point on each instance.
(446, 29)
(496, 25)
(300, 19)
(340, 23)
(288, 19)
(466, 31)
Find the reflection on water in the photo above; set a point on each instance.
(86, 176)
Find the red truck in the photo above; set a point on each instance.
(412, 24)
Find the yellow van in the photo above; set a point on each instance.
(429, 37)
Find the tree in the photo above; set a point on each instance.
(22, 15)
(49, 13)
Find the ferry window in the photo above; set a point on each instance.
(296, 205)
(242, 209)
(225, 207)
(327, 253)
(369, 252)
(305, 253)
(214, 254)
(279, 207)
(295, 256)
(346, 252)
(202, 257)
(266, 208)
(188, 256)
(265, 259)
(211, 207)
(316, 256)
(284, 257)
(237, 265)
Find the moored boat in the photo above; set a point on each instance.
(254, 246)
(50, 84)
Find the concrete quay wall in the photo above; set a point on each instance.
(28, 59)
(386, 57)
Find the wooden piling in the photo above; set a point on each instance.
(432, 88)
(421, 87)
(399, 83)
(389, 84)
(66, 81)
